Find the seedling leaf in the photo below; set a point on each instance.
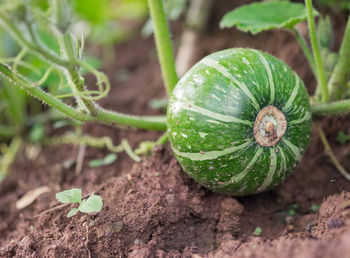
(257, 17)
(109, 159)
(37, 133)
(69, 196)
(342, 137)
(314, 207)
(93, 204)
(72, 212)
(257, 231)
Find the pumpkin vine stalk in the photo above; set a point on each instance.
(331, 109)
(157, 123)
(305, 49)
(338, 82)
(163, 44)
(321, 76)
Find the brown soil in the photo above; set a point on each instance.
(152, 209)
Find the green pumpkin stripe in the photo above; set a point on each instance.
(268, 179)
(211, 154)
(306, 117)
(283, 158)
(222, 69)
(190, 106)
(293, 148)
(237, 178)
(293, 95)
(269, 74)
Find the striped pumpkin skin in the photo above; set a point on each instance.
(211, 117)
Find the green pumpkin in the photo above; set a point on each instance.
(239, 121)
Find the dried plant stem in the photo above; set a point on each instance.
(330, 153)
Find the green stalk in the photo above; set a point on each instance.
(77, 80)
(338, 82)
(163, 43)
(7, 132)
(42, 51)
(163, 139)
(305, 49)
(333, 108)
(9, 156)
(107, 117)
(321, 76)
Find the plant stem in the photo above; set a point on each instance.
(333, 108)
(129, 151)
(107, 117)
(77, 81)
(42, 51)
(321, 76)
(164, 45)
(338, 82)
(305, 49)
(163, 139)
(9, 156)
(330, 153)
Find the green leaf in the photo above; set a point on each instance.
(174, 8)
(314, 207)
(342, 137)
(109, 159)
(93, 204)
(69, 196)
(93, 62)
(37, 133)
(257, 17)
(257, 231)
(72, 212)
(325, 33)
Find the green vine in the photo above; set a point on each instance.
(70, 62)
(341, 74)
(321, 76)
(305, 49)
(164, 46)
(104, 116)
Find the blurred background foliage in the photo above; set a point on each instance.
(102, 23)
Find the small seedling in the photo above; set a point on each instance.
(342, 137)
(292, 210)
(92, 204)
(257, 231)
(109, 159)
(315, 207)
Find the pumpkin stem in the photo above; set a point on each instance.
(269, 126)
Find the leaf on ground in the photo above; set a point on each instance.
(342, 137)
(109, 159)
(257, 231)
(70, 196)
(93, 204)
(31, 196)
(257, 17)
(72, 212)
